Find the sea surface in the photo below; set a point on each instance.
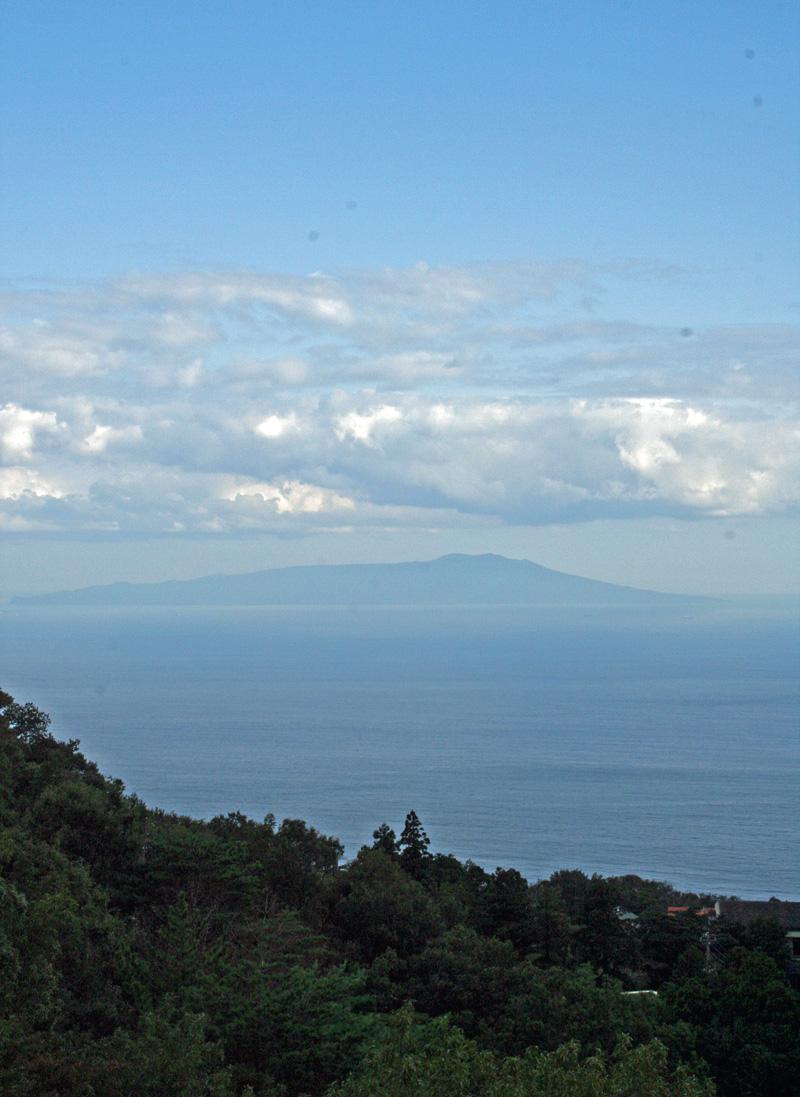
(661, 742)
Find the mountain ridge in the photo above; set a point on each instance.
(456, 578)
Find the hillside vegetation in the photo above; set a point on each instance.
(144, 954)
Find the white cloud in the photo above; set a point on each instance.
(19, 427)
(317, 298)
(176, 330)
(103, 436)
(360, 426)
(191, 375)
(221, 402)
(17, 482)
(276, 425)
(52, 352)
(291, 497)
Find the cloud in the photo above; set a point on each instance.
(317, 298)
(359, 426)
(16, 483)
(290, 497)
(273, 426)
(19, 427)
(217, 402)
(57, 353)
(103, 436)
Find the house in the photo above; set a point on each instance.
(699, 912)
(626, 915)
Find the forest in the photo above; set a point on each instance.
(146, 954)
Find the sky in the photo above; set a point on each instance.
(302, 282)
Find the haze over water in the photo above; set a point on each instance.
(657, 742)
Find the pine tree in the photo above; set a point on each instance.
(385, 839)
(414, 843)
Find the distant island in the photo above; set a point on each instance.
(456, 579)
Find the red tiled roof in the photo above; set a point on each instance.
(699, 912)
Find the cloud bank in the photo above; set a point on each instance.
(423, 397)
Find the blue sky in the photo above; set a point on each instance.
(285, 281)
(175, 134)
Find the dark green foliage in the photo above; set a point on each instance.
(378, 906)
(456, 888)
(745, 1021)
(653, 896)
(293, 862)
(437, 1060)
(385, 839)
(465, 975)
(414, 843)
(298, 1028)
(144, 954)
(547, 1006)
(180, 858)
(764, 934)
(506, 909)
(603, 939)
(572, 885)
(552, 932)
(296, 863)
(27, 722)
(664, 939)
(161, 1057)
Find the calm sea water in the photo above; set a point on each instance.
(663, 743)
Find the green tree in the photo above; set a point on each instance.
(163, 1058)
(377, 906)
(507, 910)
(434, 1059)
(297, 865)
(603, 939)
(298, 1028)
(414, 843)
(28, 723)
(766, 935)
(385, 839)
(550, 925)
(417, 1058)
(745, 1019)
(572, 885)
(548, 1006)
(464, 975)
(663, 940)
(166, 1057)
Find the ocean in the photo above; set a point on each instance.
(662, 742)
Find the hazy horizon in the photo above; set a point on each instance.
(789, 598)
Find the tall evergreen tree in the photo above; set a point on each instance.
(414, 843)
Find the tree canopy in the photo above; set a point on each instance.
(145, 953)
